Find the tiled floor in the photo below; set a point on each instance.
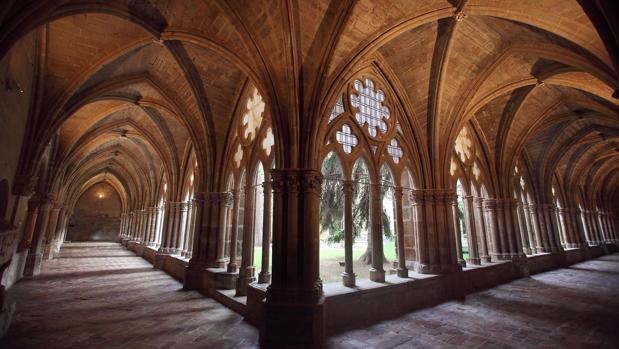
(103, 296)
(575, 307)
(99, 295)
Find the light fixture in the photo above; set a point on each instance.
(100, 195)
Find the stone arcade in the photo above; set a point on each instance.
(312, 167)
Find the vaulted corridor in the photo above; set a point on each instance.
(99, 295)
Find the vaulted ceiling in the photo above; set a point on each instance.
(128, 88)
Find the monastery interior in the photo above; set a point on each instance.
(435, 148)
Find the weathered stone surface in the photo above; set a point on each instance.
(101, 295)
(573, 307)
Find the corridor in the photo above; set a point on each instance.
(573, 307)
(99, 295)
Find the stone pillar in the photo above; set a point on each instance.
(522, 225)
(181, 230)
(602, 226)
(168, 220)
(226, 204)
(188, 231)
(35, 256)
(399, 226)
(294, 308)
(265, 274)
(234, 231)
(377, 273)
(192, 229)
(348, 276)
(502, 233)
(541, 229)
(59, 233)
(471, 230)
(517, 234)
(247, 270)
(457, 233)
(553, 228)
(198, 261)
(50, 233)
(480, 227)
(417, 198)
(490, 209)
(31, 219)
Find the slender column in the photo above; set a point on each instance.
(294, 308)
(480, 227)
(553, 229)
(517, 234)
(265, 275)
(152, 236)
(181, 227)
(247, 270)
(377, 273)
(522, 223)
(168, 223)
(417, 198)
(51, 231)
(457, 233)
(399, 216)
(471, 230)
(226, 202)
(31, 219)
(234, 231)
(33, 261)
(348, 276)
(192, 229)
(188, 231)
(198, 261)
(502, 232)
(541, 229)
(602, 227)
(490, 210)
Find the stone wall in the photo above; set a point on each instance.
(16, 90)
(96, 216)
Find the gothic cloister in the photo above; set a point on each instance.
(295, 173)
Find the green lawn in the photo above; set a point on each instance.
(332, 253)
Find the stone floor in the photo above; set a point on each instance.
(575, 307)
(100, 295)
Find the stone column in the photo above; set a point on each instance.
(522, 224)
(181, 230)
(480, 227)
(399, 226)
(517, 234)
(59, 234)
(471, 230)
(417, 198)
(188, 232)
(192, 229)
(294, 308)
(50, 234)
(168, 224)
(457, 233)
(226, 204)
(198, 261)
(602, 226)
(502, 233)
(31, 219)
(35, 256)
(234, 231)
(348, 276)
(265, 274)
(541, 229)
(490, 208)
(377, 273)
(247, 270)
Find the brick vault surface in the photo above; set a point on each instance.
(99, 295)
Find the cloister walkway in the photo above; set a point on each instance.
(99, 295)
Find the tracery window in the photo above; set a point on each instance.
(247, 229)
(364, 161)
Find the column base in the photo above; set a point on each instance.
(232, 268)
(264, 277)
(377, 275)
(245, 278)
(293, 325)
(462, 263)
(33, 265)
(349, 279)
(542, 250)
(220, 263)
(486, 259)
(402, 272)
(475, 261)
